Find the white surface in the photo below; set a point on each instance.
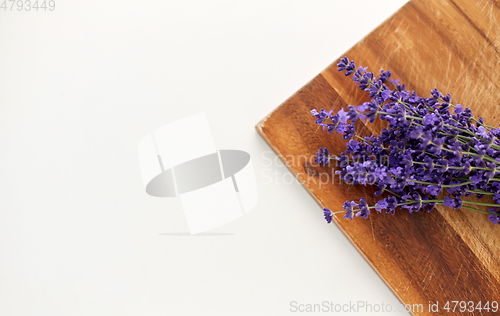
(208, 207)
(81, 86)
(184, 140)
(148, 159)
(247, 187)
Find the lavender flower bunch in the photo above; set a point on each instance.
(431, 152)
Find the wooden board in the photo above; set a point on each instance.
(445, 255)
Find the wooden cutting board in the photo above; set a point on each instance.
(445, 255)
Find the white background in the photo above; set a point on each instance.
(81, 86)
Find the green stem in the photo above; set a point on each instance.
(476, 209)
(369, 142)
(481, 203)
(477, 191)
(443, 186)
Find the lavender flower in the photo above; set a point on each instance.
(348, 207)
(430, 147)
(344, 64)
(328, 214)
(322, 157)
(363, 209)
(381, 205)
(495, 215)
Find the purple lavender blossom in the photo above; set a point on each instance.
(349, 132)
(429, 148)
(495, 215)
(381, 205)
(349, 67)
(328, 215)
(322, 157)
(342, 116)
(363, 208)
(348, 215)
(348, 207)
(483, 132)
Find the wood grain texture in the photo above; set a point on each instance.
(445, 255)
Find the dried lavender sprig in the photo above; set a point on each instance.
(364, 213)
(445, 151)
